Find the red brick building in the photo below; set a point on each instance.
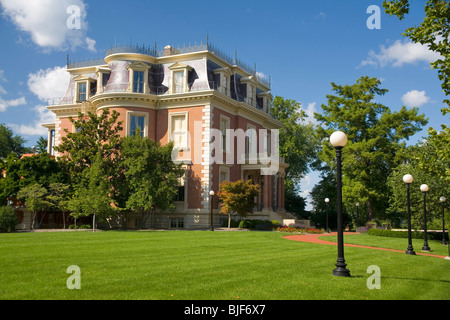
(215, 109)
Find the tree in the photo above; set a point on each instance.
(397, 200)
(35, 199)
(37, 169)
(94, 136)
(434, 32)
(8, 219)
(151, 176)
(238, 197)
(58, 197)
(375, 137)
(297, 145)
(297, 142)
(92, 195)
(41, 145)
(10, 143)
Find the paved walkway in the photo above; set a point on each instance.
(314, 238)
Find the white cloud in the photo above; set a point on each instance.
(310, 109)
(36, 128)
(4, 104)
(400, 53)
(49, 23)
(50, 83)
(415, 98)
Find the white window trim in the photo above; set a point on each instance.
(179, 67)
(83, 79)
(138, 66)
(252, 146)
(186, 117)
(139, 114)
(227, 134)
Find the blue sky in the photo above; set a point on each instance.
(302, 45)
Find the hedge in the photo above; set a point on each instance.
(404, 234)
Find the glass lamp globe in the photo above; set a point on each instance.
(407, 178)
(338, 139)
(424, 188)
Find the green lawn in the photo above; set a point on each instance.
(194, 265)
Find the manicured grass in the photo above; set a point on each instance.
(194, 265)
(392, 243)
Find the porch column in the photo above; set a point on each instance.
(266, 193)
(280, 192)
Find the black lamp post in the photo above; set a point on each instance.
(338, 139)
(326, 214)
(408, 179)
(211, 193)
(424, 189)
(443, 199)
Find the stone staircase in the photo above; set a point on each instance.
(287, 218)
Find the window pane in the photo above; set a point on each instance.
(179, 131)
(138, 81)
(135, 122)
(81, 91)
(179, 81)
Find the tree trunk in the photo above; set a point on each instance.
(93, 223)
(34, 219)
(369, 210)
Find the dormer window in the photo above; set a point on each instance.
(82, 92)
(85, 88)
(224, 80)
(138, 75)
(179, 74)
(250, 92)
(138, 81)
(178, 81)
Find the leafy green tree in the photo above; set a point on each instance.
(92, 195)
(375, 137)
(34, 196)
(94, 136)
(326, 188)
(238, 196)
(41, 145)
(297, 142)
(58, 197)
(8, 219)
(9, 143)
(151, 176)
(37, 169)
(297, 145)
(397, 210)
(434, 32)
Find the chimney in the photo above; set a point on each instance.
(167, 50)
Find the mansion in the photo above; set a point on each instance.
(215, 110)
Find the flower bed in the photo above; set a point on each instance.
(299, 229)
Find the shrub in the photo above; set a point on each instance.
(404, 234)
(8, 219)
(83, 226)
(294, 228)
